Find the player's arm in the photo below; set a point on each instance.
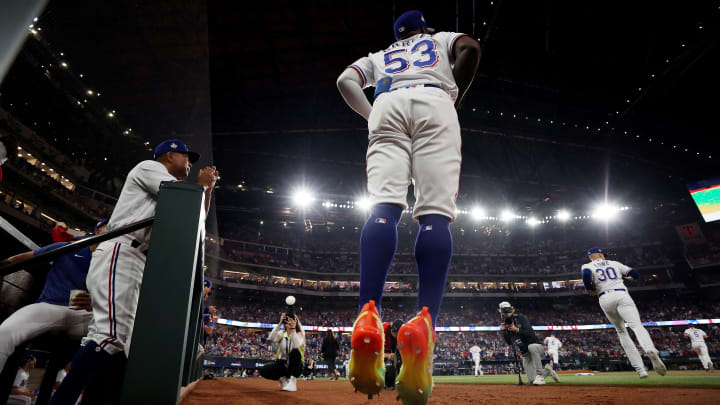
(466, 53)
(587, 278)
(545, 341)
(17, 258)
(630, 274)
(27, 255)
(350, 85)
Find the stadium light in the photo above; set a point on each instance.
(477, 213)
(302, 198)
(363, 204)
(563, 215)
(532, 222)
(507, 216)
(605, 212)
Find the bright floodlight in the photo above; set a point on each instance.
(477, 213)
(507, 215)
(363, 204)
(563, 215)
(605, 212)
(532, 222)
(302, 198)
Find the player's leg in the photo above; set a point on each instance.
(609, 306)
(27, 323)
(114, 283)
(628, 311)
(555, 360)
(388, 179)
(436, 159)
(77, 323)
(704, 357)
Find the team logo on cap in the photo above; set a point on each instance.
(422, 19)
(173, 145)
(401, 29)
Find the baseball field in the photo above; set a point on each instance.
(686, 387)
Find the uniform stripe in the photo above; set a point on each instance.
(111, 296)
(360, 72)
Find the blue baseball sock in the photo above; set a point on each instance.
(555, 366)
(87, 361)
(378, 243)
(433, 251)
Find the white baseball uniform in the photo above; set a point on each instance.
(697, 342)
(475, 352)
(553, 348)
(21, 380)
(117, 265)
(414, 133)
(619, 307)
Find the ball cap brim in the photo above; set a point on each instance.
(175, 145)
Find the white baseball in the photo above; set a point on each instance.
(290, 300)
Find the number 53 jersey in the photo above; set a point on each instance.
(420, 59)
(607, 274)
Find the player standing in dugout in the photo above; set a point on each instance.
(414, 137)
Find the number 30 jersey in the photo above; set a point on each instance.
(607, 274)
(420, 59)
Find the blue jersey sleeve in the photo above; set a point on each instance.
(50, 247)
(587, 278)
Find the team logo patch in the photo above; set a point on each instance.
(427, 228)
(380, 221)
(173, 145)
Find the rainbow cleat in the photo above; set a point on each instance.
(367, 365)
(416, 342)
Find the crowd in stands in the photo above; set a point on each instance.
(453, 346)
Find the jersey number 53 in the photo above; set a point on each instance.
(423, 54)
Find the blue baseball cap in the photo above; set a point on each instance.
(408, 21)
(102, 222)
(175, 145)
(208, 284)
(594, 250)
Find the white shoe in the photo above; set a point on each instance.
(539, 380)
(283, 383)
(658, 365)
(553, 374)
(642, 375)
(291, 385)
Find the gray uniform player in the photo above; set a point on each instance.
(604, 278)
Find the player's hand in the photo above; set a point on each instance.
(283, 318)
(592, 292)
(208, 176)
(513, 328)
(82, 301)
(503, 326)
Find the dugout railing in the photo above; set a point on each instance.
(168, 323)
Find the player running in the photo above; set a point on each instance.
(697, 343)
(604, 278)
(475, 353)
(414, 136)
(553, 347)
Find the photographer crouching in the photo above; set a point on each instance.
(288, 364)
(516, 329)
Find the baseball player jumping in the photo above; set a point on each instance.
(553, 345)
(414, 137)
(117, 265)
(697, 343)
(604, 278)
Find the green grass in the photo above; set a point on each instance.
(672, 379)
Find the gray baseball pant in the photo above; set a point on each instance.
(532, 363)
